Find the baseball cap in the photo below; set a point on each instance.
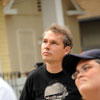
(71, 60)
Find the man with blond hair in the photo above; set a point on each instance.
(56, 43)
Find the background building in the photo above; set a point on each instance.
(22, 23)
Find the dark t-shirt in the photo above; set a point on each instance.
(42, 85)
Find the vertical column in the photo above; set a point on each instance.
(52, 12)
(4, 53)
(72, 23)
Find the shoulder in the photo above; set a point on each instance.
(6, 91)
(4, 85)
(35, 77)
(36, 73)
(38, 70)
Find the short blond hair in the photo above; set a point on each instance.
(67, 35)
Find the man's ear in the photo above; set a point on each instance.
(67, 50)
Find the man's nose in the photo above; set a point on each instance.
(47, 45)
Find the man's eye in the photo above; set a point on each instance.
(44, 41)
(54, 42)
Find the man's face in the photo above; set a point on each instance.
(52, 48)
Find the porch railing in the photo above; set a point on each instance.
(16, 80)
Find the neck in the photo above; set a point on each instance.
(92, 96)
(54, 67)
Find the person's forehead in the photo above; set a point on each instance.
(52, 35)
(49, 32)
(85, 61)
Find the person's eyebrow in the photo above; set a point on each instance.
(81, 67)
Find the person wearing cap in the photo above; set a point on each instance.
(85, 69)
